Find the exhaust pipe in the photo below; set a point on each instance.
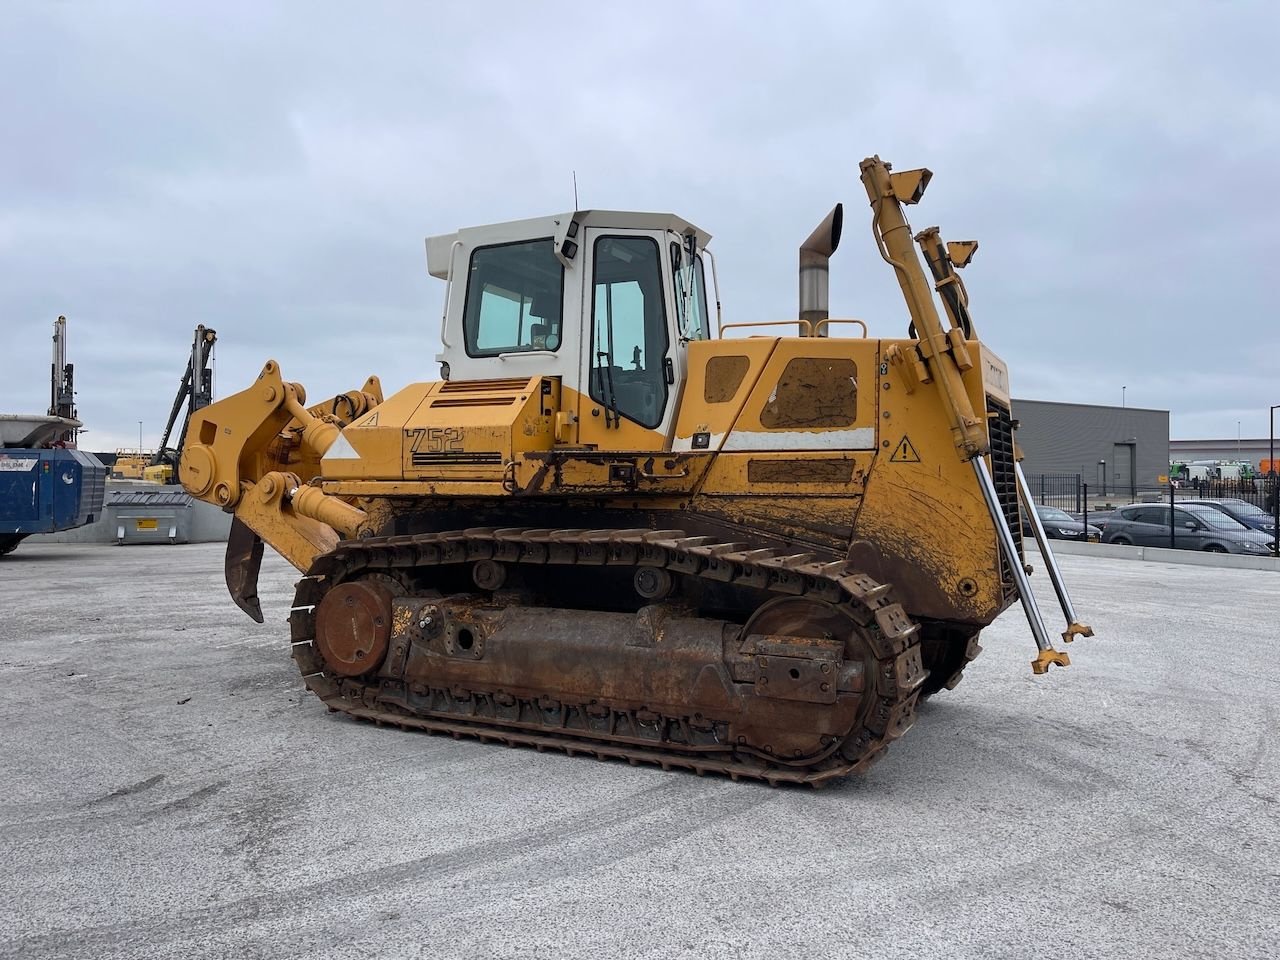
(814, 273)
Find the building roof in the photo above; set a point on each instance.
(1091, 406)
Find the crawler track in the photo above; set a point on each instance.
(414, 566)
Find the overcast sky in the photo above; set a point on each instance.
(271, 170)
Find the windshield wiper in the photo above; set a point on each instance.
(685, 280)
(611, 417)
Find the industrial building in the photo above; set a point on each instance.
(1115, 451)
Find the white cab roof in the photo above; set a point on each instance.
(439, 248)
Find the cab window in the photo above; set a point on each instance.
(629, 330)
(514, 292)
(691, 295)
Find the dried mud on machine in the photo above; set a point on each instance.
(618, 527)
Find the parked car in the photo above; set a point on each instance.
(1247, 513)
(1096, 518)
(1060, 525)
(1195, 527)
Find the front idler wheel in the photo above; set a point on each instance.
(353, 627)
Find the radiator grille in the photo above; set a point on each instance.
(1003, 473)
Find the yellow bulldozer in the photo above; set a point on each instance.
(614, 528)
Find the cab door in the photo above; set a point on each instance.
(629, 391)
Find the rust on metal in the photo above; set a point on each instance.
(800, 470)
(353, 624)
(814, 685)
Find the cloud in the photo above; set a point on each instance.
(271, 171)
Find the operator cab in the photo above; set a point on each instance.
(606, 301)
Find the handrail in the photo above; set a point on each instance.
(715, 282)
(821, 325)
(806, 326)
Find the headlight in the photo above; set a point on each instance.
(1256, 547)
(1068, 533)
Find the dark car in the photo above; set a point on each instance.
(1195, 527)
(1096, 518)
(1242, 510)
(1060, 525)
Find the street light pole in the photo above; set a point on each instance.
(139, 438)
(1122, 390)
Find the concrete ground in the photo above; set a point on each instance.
(170, 790)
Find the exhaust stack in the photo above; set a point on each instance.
(814, 273)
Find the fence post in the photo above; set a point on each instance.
(1085, 515)
(1269, 500)
(1172, 543)
(1078, 481)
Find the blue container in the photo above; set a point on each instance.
(44, 491)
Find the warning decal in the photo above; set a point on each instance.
(905, 452)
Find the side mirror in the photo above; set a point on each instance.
(1191, 525)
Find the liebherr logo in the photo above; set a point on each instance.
(998, 376)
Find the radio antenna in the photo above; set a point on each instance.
(575, 189)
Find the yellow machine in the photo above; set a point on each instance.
(130, 465)
(159, 474)
(609, 530)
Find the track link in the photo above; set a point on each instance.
(947, 654)
(636, 736)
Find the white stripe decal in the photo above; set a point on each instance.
(862, 438)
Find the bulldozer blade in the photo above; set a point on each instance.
(244, 560)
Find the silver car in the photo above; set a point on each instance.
(1195, 527)
(1247, 513)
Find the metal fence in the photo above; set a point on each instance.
(1070, 492)
(1066, 491)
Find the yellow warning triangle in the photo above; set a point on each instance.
(905, 452)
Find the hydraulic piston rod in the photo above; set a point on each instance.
(1074, 627)
(1047, 654)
